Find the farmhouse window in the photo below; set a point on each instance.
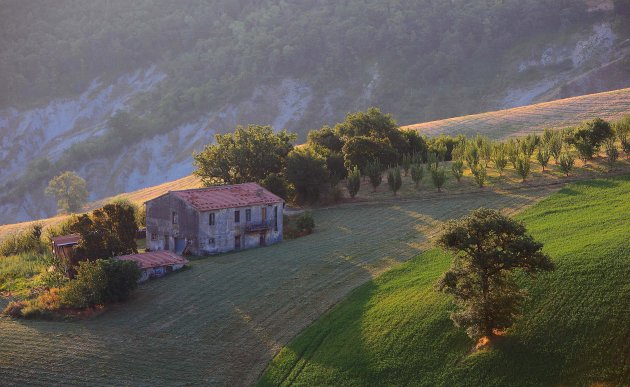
(211, 242)
(174, 217)
(263, 214)
(248, 215)
(154, 237)
(211, 219)
(275, 218)
(237, 216)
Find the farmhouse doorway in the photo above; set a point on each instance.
(261, 240)
(237, 242)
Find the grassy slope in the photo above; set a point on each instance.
(534, 118)
(395, 329)
(140, 196)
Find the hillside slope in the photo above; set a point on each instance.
(187, 72)
(395, 330)
(557, 114)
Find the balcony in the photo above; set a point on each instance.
(259, 226)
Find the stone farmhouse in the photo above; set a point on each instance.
(214, 220)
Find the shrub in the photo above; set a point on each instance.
(373, 171)
(611, 152)
(499, 157)
(565, 163)
(523, 167)
(472, 156)
(394, 180)
(622, 129)
(543, 157)
(306, 170)
(100, 282)
(457, 168)
(305, 222)
(438, 176)
(417, 173)
(480, 174)
(353, 182)
(511, 150)
(555, 145)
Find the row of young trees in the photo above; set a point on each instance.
(367, 144)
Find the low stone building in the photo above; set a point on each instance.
(214, 220)
(155, 264)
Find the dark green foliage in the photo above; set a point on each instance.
(325, 138)
(417, 144)
(374, 172)
(394, 179)
(305, 222)
(276, 184)
(417, 173)
(249, 154)
(565, 163)
(336, 167)
(523, 166)
(100, 282)
(108, 232)
(443, 146)
(373, 124)
(359, 151)
(487, 248)
(70, 190)
(353, 182)
(438, 176)
(589, 136)
(457, 168)
(306, 170)
(433, 160)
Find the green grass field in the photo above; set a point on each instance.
(575, 329)
(223, 320)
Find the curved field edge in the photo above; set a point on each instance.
(395, 329)
(557, 114)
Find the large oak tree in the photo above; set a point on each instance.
(488, 247)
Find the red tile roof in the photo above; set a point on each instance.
(65, 240)
(227, 196)
(155, 259)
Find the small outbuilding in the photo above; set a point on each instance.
(156, 264)
(63, 246)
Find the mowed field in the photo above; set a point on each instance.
(575, 330)
(222, 320)
(557, 114)
(138, 197)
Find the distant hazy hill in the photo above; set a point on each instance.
(187, 70)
